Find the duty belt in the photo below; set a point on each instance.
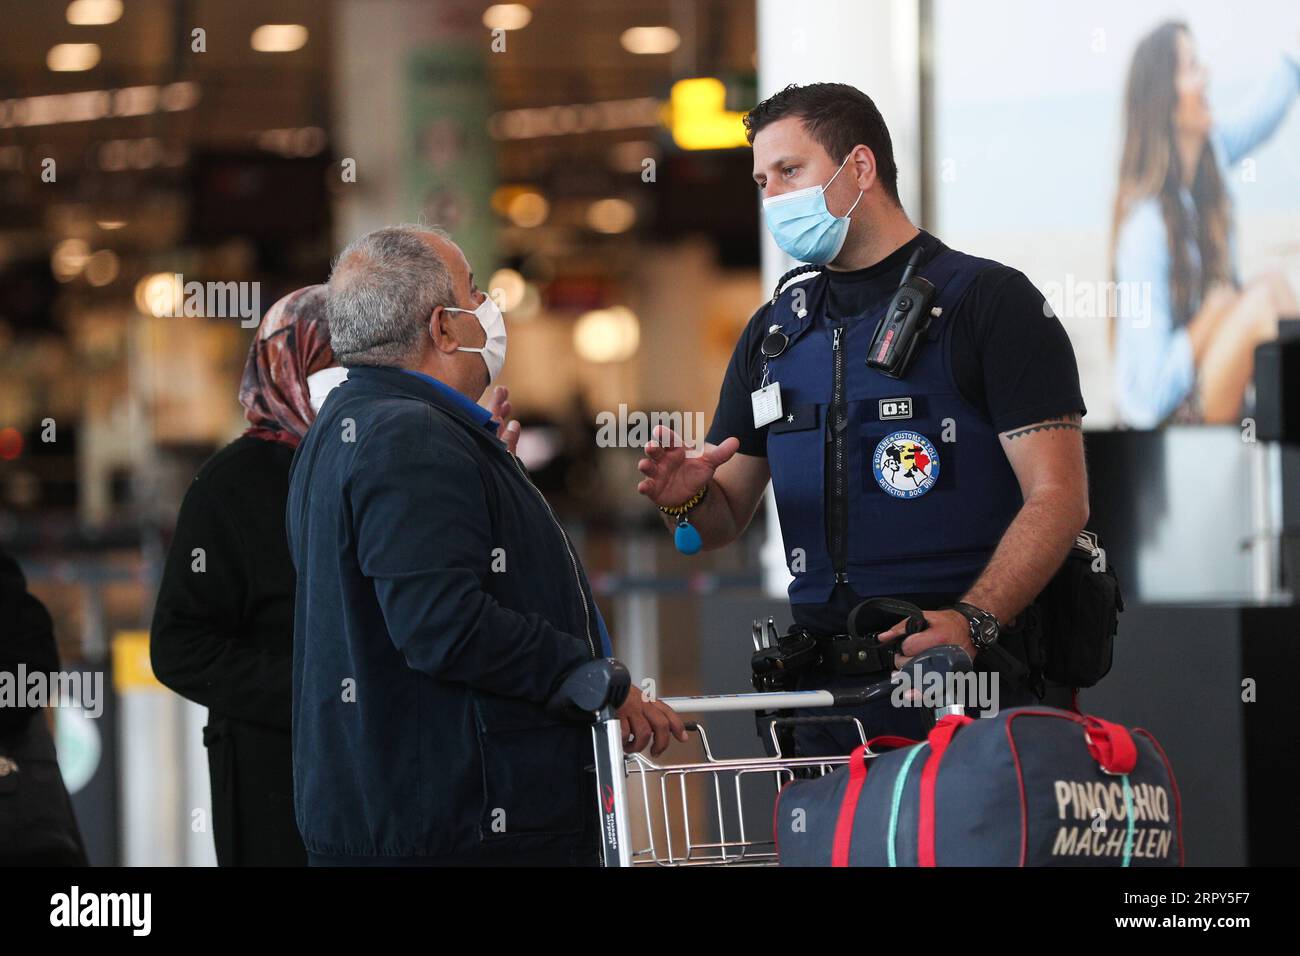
(778, 661)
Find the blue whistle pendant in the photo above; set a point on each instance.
(687, 538)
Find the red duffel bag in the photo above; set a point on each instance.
(1033, 786)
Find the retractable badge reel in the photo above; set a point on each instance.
(766, 399)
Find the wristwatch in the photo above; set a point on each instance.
(984, 627)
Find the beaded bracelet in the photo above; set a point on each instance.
(686, 505)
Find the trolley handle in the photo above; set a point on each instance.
(591, 688)
(777, 700)
(938, 660)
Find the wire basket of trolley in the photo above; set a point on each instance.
(1028, 786)
(698, 812)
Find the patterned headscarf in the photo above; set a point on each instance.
(292, 342)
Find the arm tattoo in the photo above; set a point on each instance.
(1068, 422)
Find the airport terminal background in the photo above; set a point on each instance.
(592, 152)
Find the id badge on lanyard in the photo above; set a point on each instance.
(766, 399)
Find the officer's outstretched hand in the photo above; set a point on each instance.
(673, 472)
(943, 627)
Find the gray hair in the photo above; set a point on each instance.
(381, 290)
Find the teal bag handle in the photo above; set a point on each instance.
(896, 801)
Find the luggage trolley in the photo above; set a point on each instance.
(600, 688)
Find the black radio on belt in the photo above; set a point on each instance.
(903, 326)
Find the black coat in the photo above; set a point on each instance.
(26, 637)
(223, 638)
(439, 606)
(37, 824)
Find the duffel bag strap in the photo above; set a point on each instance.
(849, 808)
(892, 741)
(1110, 745)
(940, 737)
(858, 766)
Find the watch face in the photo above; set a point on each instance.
(983, 628)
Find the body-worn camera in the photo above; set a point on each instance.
(903, 326)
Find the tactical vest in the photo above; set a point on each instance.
(893, 486)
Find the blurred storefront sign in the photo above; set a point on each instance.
(448, 158)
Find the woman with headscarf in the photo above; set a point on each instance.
(1187, 328)
(223, 624)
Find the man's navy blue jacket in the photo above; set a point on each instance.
(439, 605)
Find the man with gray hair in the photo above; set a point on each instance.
(439, 602)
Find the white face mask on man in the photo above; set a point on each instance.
(494, 327)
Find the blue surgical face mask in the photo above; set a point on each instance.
(802, 225)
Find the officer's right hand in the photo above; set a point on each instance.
(671, 475)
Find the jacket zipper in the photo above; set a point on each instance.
(838, 512)
(573, 558)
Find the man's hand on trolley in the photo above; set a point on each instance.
(645, 720)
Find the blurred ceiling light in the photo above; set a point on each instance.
(94, 13)
(650, 40)
(534, 121)
(158, 295)
(135, 101)
(501, 197)
(611, 216)
(69, 258)
(630, 156)
(528, 209)
(102, 267)
(607, 335)
(182, 95)
(700, 119)
(279, 37)
(507, 16)
(115, 155)
(294, 141)
(507, 287)
(109, 225)
(72, 57)
(96, 104)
